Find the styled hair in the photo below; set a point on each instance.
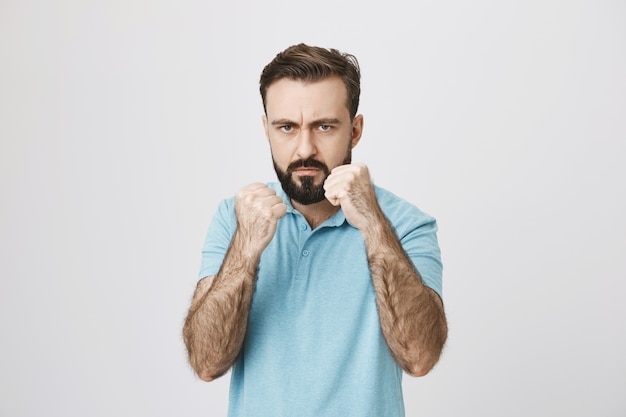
(310, 64)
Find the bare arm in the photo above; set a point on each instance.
(412, 317)
(216, 323)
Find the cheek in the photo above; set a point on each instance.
(280, 153)
(339, 154)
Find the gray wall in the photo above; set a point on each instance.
(123, 123)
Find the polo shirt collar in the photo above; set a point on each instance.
(336, 220)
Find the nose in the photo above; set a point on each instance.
(306, 144)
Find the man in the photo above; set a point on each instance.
(321, 290)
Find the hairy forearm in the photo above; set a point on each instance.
(411, 315)
(217, 320)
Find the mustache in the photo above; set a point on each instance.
(307, 163)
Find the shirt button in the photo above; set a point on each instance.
(303, 227)
(305, 253)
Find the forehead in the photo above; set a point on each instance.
(296, 96)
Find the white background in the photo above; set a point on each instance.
(124, 122)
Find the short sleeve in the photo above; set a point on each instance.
(417, 232)
(422, 247)
(218, 238)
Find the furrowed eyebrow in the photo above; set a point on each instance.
(318, 122)
(282, 122)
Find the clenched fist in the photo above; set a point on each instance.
(258, 210)
(350, 187)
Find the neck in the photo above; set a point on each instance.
(316, 214)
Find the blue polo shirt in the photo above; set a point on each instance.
(314, 346)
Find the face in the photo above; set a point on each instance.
(310, 133)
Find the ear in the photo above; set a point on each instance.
(266, 127)
(357, 129)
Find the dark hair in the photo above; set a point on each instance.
(311, 63)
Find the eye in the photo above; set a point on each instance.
(325, 128)
(286, 128)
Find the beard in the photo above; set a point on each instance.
(307, 192)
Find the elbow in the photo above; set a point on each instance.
(420, 361)
(206, 376)
(208, 371)
(207, 368)
(209, 374)
(418, 369)
(420, 365)
(199, 361)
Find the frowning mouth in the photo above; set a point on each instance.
(307, 171)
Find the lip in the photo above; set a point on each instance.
(307, 171)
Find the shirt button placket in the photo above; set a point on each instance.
(304, 237)
(303, 264)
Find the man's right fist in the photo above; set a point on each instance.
(258, 210)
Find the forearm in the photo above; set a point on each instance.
(216, 324)
(411, 315)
